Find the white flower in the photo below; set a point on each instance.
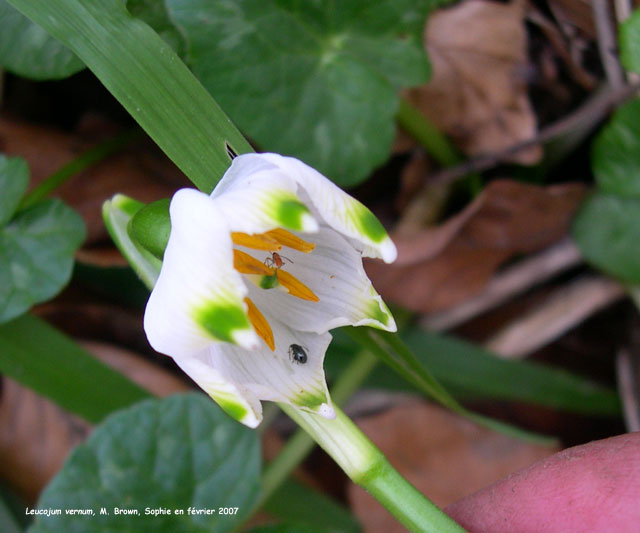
(255, 275)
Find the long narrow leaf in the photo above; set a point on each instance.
(392, 351)
(148, 79)
(40, 357)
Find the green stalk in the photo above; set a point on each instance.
(367, 466)
(421, 129)
(85, 160)
(435, 143)
(148, 79)
(301, 444)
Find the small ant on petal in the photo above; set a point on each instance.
(276, 260)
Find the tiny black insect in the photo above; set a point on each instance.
(298, 354)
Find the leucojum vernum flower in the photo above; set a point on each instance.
(256, 274)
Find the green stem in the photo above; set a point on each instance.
(367, 466)
(80, 163)
(419, 127)
(301, 444)
(434, 142)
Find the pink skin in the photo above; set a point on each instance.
(589, 488)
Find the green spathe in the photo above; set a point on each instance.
(151, 226)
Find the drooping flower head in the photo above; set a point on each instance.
(256, 274)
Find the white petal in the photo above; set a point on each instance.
(341, 211)
(198, 298)
(334, 272)
(276, 376)
(245, 408)
(256, 196)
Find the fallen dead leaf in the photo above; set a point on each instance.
(35, 438)
(144, 173)
(442, 266)
(449, 459)
(574, 16)
(477, 93)
(36, 435)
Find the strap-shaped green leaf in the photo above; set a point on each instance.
(148, 79)
(42, 358)
(14, 179)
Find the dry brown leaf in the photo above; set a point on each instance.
(36, 435)
(477, 93)
(449, 459)
(574, 16)
(144, 174)
(35, 438)
(439, 267)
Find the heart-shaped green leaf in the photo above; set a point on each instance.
(36, 255)
(316, 80)
(29, 51)
(616, 152)
(607, 230)
(179, 453)
(629, 33)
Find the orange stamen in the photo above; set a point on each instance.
(245, 264)
(295, 286)
(286, 238)
(260, 324)
(257, 241)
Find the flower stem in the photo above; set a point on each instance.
(300, 444)
(421, 129)
(367, 466)
(85, 160)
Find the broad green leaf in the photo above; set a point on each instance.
(316, 80)
(178, 453)
(154, 13)
(616, 152)
(40, 357)
(629, 33)
(293, 527)
(14, 179)
(28, 50)
(148, 79)
(607, 230)
(295, 502)
(36, 255)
